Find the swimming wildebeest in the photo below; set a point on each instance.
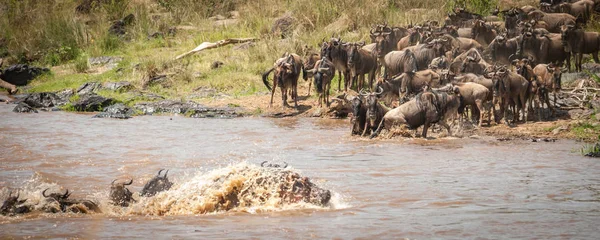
(57, 202)
(119, 194)
(13, 206)
(287, 71)
(157, 184)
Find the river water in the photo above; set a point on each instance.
(382, 189)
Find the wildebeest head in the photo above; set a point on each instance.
(357, 103)
(354, 54)
(305, 190)
(157, 184)
(10, 205)
(119, 194)
(499, 87)
(565, 33)
(556, 71)
(57, 196)
(372, 105)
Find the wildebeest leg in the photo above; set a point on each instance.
(547, 100)
(425, 128)
(595, 56)
(479, 104)
(273, 92)
(326, 91)
(340, 80)
(295, 93)
(365, 129)
(284, 97)
(524, 109)
(347, 80)
(443, 123)
(309, 86)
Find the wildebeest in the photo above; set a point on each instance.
(483, 32)
(397, 62)
(412, 39)
(510, 87)
(553, 20)
(474, 95)
(323, 73)
(474, 65)
(412, 83)
(335, 51)
(120, 195)
(361, 62)
(549, 76)
(425, 53)
(359, 115)
(581, 9)
(287, 70)
(57, 202)
(310, 59)
(502, 48)
(375, 111)
(157, 184)
(13, 206)
(423, 110)
(543, 49)
(578, 42)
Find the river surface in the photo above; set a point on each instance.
(382, 189)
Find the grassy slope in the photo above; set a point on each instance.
(67, 39)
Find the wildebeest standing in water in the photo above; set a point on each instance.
(120, 195)
(286, 73)
(375, 111)
(12, 206)
(157, 184)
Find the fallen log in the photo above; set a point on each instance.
(220, 43)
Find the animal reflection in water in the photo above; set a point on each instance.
(242, 185)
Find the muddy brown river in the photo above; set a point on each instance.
(383, 189)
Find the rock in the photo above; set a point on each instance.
(122, 86)
(103, 60)
(202, 112)
(203, 92)
(343, 24)
(118, 110)
(145, 97)
(44, 100)
(225, 22)
(91, 102)
(592, 67)
(65, 95)
(244, 46)
(158, 79)
(21, 74)
(580, 114)
(557, 130)
(216, 64)
(283, 25)
(24, 108)
(217, 17)
(166, 106)
(118, 27)
(595, 104)
(89, 87)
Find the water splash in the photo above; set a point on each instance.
(241, 187)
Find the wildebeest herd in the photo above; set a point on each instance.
(501, 65)
(291, 188)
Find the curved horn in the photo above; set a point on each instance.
(362, 92)
(167, 172)
(67, 194)
(263, 163)
(113, 182)
(285, 165)
(510, 58)
(323, 70)
(159, 171)
(371, 32)
(379, 90)
(44, 192)
(10, 194)
(130, 182)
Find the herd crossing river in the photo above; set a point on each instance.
(381, 189)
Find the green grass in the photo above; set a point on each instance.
(586, 131)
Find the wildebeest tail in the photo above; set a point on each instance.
(265, 77)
